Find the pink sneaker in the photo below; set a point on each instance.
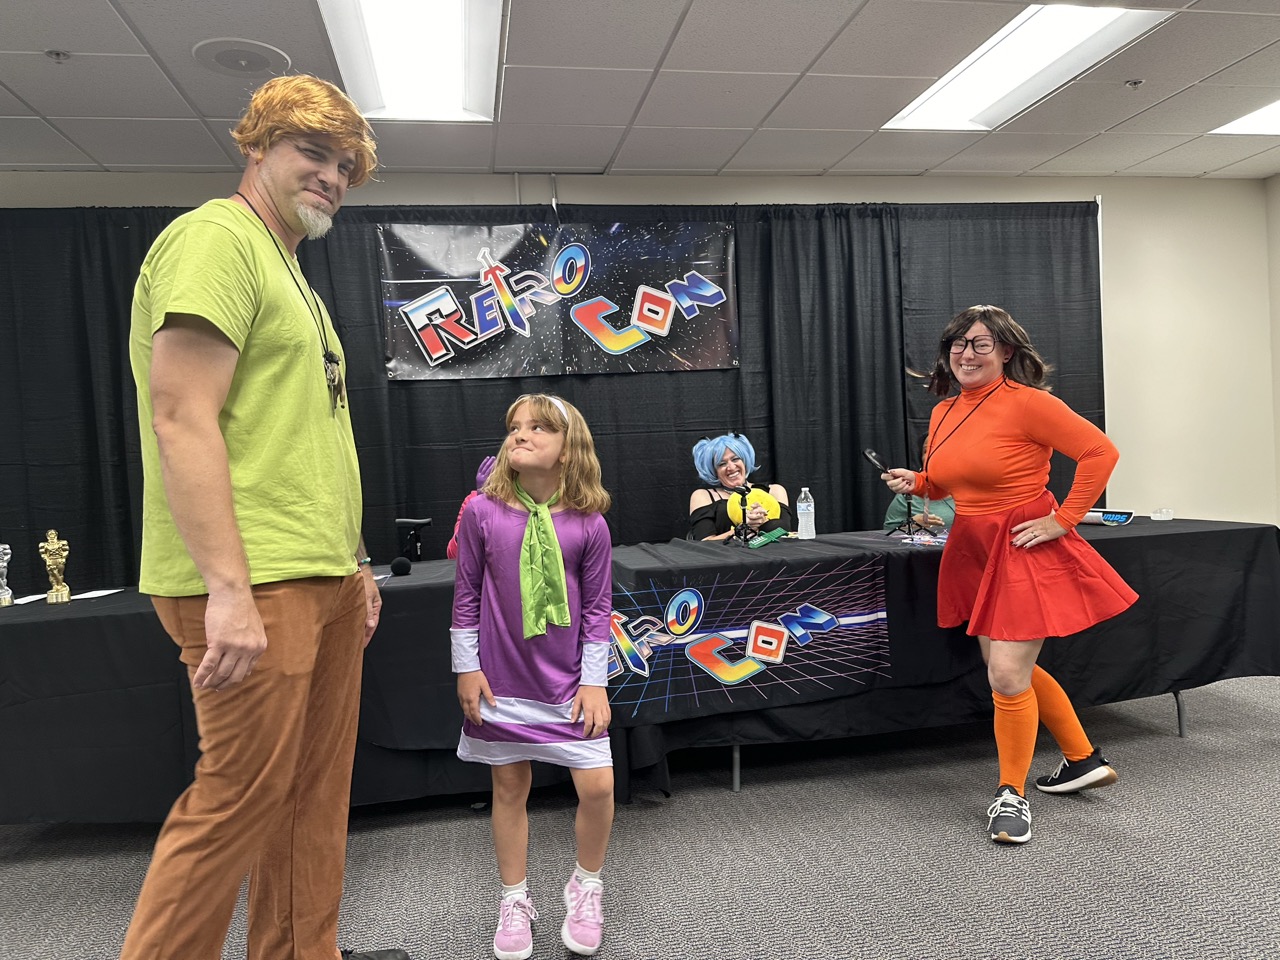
(584, 922)
(514, 939)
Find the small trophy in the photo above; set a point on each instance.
(6, 595)
(54, 552)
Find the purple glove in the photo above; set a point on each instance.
(486, 468)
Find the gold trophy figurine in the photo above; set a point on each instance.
(6, 595)
(55, 553)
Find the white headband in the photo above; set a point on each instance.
(559, 405)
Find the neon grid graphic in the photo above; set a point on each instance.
(846, 659)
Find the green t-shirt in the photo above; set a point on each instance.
(294, 477)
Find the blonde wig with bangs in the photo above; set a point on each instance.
(298, 105)
(580, 487)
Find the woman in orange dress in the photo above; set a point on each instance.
(1014, 569)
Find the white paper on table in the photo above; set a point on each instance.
(90, 594)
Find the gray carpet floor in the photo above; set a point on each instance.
(870, 848)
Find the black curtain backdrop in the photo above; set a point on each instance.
(836, 304)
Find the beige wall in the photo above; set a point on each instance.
(1273, 259)
(1190, 274)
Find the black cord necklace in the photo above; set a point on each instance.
(332, 362)
(934, 449)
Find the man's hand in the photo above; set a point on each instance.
(592, 703)
(372, 602)
(471, 687)
(234, 638)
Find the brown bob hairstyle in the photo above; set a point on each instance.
(301, 104)
(1025, 366)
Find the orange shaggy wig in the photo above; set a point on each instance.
(300, 105)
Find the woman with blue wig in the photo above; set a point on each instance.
(724, 463)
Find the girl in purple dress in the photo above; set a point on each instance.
(530, 635)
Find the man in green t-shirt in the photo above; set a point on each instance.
(251, 546)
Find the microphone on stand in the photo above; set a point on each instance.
(740, 534)
(401, 566)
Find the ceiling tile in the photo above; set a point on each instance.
(434, 146)
(845, 103)
(680, 98)
(806, 151)
(77, 26)
(586, 34)
(1265, 164)
(1089, 107)
(115, 143)
(548, 148)
(11, 106)
(1170, 5)
(1262, 69)
(908, 149)
(942, 34)
(742, 35)
(1190, 47)
(1109, 152)
(1204, 154)
(30, 140)
(887, 172)
(1199, 109)
(1240, 6)
(670, 148)
(1006, 153)
(91, 85)
(555, 96)
(171, 30)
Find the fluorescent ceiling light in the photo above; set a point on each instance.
(1265, 121)
(1041, 49)
(417, 59)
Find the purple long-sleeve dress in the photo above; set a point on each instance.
(533, 680)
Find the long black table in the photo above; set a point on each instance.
(96, 722)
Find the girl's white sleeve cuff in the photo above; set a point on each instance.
(595, 664)
(465, 645)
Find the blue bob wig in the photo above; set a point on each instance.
(708, 450)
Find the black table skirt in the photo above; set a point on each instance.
(96, 723)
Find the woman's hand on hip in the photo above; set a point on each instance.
(1032, 533)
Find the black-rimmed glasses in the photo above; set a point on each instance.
(981, 344)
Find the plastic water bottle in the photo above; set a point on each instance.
(804, 514)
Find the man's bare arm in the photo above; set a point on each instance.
(192, 366)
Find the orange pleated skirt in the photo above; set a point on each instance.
(1014, 593)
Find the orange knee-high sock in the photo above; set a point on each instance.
(1017, 721)
(1059, 716)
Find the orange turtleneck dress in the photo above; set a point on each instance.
(989, 448)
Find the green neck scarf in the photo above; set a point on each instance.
(544, 597)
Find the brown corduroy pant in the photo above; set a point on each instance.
(272, 786)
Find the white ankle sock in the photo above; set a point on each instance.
(515, 889)
(583, 874)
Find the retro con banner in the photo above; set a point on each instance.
(747, 640)
(523, 300)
